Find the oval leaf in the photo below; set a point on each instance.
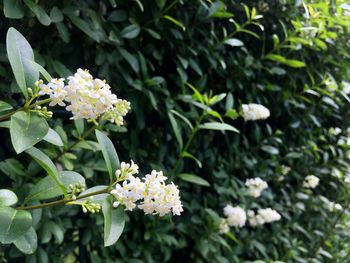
(109, 153)
(130, 32)
(44, 161)
(27, 129)
(20, 54)
(7, 197)
(114, 221)
(218, 126)
(46, 188)
(191, 178)
(27, 243)
(53, 137)
(14, 223)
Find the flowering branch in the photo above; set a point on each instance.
(63, 201)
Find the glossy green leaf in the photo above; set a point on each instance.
(27, 129)
(7, 197)
(191, 156)
(13, 9)
(56, 15)
(234, 42)
(45, 162)
(20, 54)
(46, 188)
(39, 12)
(174, 21)
(27, 243)
(218, 126)
(14, 223)
(131, 31)
(40, 69)
(114, 222)
(191, 178)
(4, 106)
(53, 137)
(109, 153)
(176, 129)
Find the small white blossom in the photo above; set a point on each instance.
(347, 179)
(150, 193)
(311, 181)
(256, 186)
(252, 112)
(223, 227)
(263, 216)
(87, 98)
(236, 216)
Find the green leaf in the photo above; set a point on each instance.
(5, 124)
(215, 114)
(40, 69)
(218, 126)
(53, 137)
(44, 161)
(109, 153)
(182, 117)
(191, 156)
(294, 63)
(99, 198)
(275, 57)
(7, 197)
(27, 129)
(13, 9)
(46, 188)
(270, 149)
(176, 22)
(56, 15)
(79, 125)
(27, 243)
(39, 12)
(176, 129)
(20, 54)
(130, 31)
(131, 59)
(4, 106)
(234, 42)
(191, 178)
(14, 223)
(114, 221)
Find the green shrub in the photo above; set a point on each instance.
(182, 64)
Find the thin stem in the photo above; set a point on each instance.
(83, 137)
(38, 103)
(63, 201)
(190, 139)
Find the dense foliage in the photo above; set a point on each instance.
(183, 64)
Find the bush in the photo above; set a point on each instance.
(182, 65)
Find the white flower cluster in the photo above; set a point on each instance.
(311, 181)
(150, 194)
(236, 216)
(256, 186)
(263, 216)
(88, 98)
(253, 111)
(224, 227)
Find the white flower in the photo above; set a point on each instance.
(269, 215)
(223, 227)
(150, 193)
(285, 169)
(335, 131)
(252, 112)
(236, 216)
(311, 181)
(256, 186)
(126, 170)
(88, 98)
